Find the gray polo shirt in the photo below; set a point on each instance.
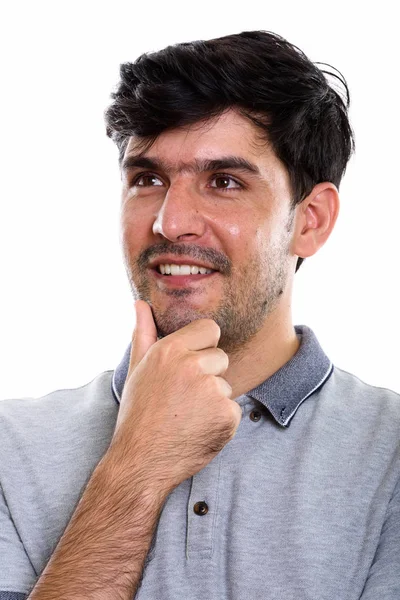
(302, 504)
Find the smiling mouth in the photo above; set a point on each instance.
(183, 278)
(182, 270)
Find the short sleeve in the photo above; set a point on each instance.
(384, 576)
(17, 576)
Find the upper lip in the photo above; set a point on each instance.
(172, 260)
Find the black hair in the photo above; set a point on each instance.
(263, 76)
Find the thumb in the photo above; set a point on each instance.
(144, 335)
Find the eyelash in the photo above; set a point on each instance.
(226, 176)
(216, 176)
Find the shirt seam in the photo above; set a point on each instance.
(16, 530)
(394, 494)
(114, 389)
(376, 387)
(79, 387)
(213, 527)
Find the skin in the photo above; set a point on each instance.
(241, 222)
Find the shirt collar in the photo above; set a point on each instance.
(285, 390)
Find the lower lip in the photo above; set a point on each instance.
(181, 280)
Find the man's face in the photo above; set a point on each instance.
(211, 194)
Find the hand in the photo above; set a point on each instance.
(175, 413)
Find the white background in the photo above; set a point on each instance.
(66, 308)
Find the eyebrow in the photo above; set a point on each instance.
(198, 166)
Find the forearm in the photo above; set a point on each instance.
(102, 551)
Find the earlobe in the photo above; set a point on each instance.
(316, 219)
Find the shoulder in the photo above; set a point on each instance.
(60, 403)
(63, 418)
(362, 404)
(364, 392)
(49, 446)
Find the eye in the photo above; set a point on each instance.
(225, 182)
(147, 180)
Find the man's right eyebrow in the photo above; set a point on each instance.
(140, 162)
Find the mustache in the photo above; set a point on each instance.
(209, 255)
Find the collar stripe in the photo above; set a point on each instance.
(323, 380)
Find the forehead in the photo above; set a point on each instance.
(227, 134)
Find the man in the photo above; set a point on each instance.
(225, 457)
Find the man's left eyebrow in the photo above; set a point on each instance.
(229, 162)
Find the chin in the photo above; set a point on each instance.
(169, 321)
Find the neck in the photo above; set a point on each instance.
(272, 347)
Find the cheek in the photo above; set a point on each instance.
(126, 230)
(233, 230)
(263, 241)
(235, 225)
(237, 237)
(134, 224)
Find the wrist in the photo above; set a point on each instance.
(133, 478)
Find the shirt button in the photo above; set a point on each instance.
(200, 508)
(255, 415)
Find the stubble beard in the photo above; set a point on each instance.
(249, 297)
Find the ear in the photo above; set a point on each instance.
(315, 218)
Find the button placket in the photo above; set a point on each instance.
(202, 510)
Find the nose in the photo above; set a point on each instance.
(180, 215)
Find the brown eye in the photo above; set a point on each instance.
(225, 182)
(147, 181)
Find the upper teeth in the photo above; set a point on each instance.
(183, 270)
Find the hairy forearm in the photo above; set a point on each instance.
(102, 551)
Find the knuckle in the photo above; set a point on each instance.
(232, 423)
(229, 427)
(191, 362)
(171, 347)
(223, 386)
(224, 358)
(213, 326)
